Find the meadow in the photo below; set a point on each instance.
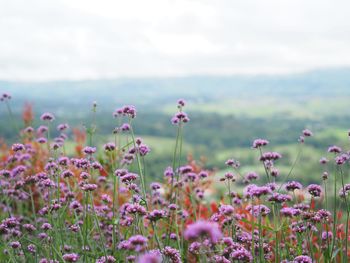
(174, 186)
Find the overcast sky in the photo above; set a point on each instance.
(89, 39)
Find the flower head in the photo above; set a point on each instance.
(203, 229)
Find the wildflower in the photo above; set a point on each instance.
(226, 210)
(327, 235)
(257, 210)
(279, 198)
(62, 127)
(5, 96)
(89, 187)
(293, 185)
(302, 259)
(269, 156)
(233, 163)
(180, 117)
(150, 257)
(120, 172)
(325, 175)
(314, 190)
(334, 149)
(109, 147)
(63, 161)
(341, 159)
(15, 244)
(17, 147)
(125, 127)
(5, 173)
(253, 190)
(323, 160)
(47, 116)
(185, 169)
(344, 191)
(242, 255)
(89, 150)
(108, 259)
(71, 257)
(260, 143)
(290, 211)
(203, 228)
(169, 172)
(203, 174)
(274, 172)
(46, 226)
(42, 140)
(181, 103)
(128, 110)
(172, 253)
(156, 215)
(250, 176)
(31, 248)
(155, 186)
(129, 177)
(29, 227)
(307, 133)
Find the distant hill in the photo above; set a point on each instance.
(150, 92)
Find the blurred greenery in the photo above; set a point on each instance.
(227, 114)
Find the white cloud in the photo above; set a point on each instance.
(78, 39)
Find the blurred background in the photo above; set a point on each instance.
(247, 69)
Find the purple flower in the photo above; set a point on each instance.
(15, 244)
(31, 248)
(156, 215)
(290, 212)
(314, 190)
(5, 96)
(181, 103)
(253, 190)
(47, 116)
(108, 259)
(279, 198)
(155, 186)
(334, 149)
(344, 191)
(242, 255)
(323, 160)
(250, 176)
(302, 259)
(89, 187)
(293, 185)
(128, 110)
(125, 127)
(203, 228)
(327, 235)
(150, 257)
(180, 117)
(41, 140)
(109, 147)
(17, 147)
(307, 133)
(226, 210)
(233, 163)
(46, 226)
(257, 210)
(341, 159)
(269, 156)
(71, 257)
(169, 172)
(62, 127)
(259, 143)
(172, 253)
(89, 150)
